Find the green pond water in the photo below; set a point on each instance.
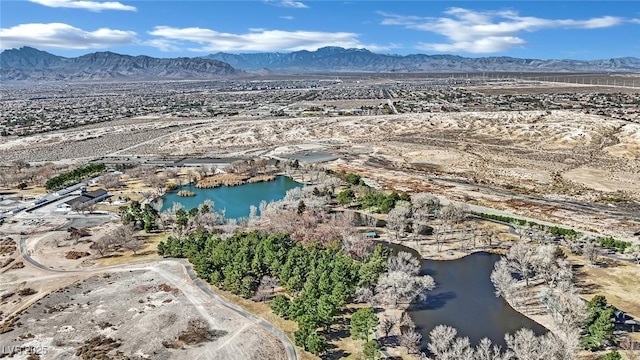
(235, 200)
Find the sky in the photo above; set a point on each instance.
(527, 29)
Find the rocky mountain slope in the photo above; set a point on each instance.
(35, 65)
(31, 64)
(336, 59)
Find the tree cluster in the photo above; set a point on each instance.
(120, 238)
(365, 197)
(524, 344)
(140, 217)
(74, 176)
(318, 280)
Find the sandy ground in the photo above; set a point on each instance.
(144, 310)
(560, 157)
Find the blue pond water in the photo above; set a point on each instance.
(235, 200)
(464, 298)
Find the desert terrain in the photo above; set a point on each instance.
(563, 166)
(573, 165)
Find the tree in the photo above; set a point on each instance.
(386, 325)
(371, 350)
(398, 218)
(502, 279)
(345, 196)
(521, 259)
(630, 348)
(410, 339)
(363, 323)
(612, 355)
(280, 305)
(600, 332)
(590, 252)
(316, 344)
(103, 244)
(440, 340)
(402, 283)
(301, 207)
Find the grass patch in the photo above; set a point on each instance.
(262, 309)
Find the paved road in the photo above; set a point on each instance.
(288, 345)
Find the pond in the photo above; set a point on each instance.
(235, 200)
(464, 298)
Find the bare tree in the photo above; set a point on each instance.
(364, 295)
(524, 344)
(398, 219)
(266, 288)
(386, 325)
(122, 236)
(102, 245)
(590, 252)
(134, 245)
(440, 340)
(487, 351)
(406, 320)
(410, 339)
(422, 207)
(399, 287)
(521, 259)
(630, 348)
(451, 215)
(357, 246)
(402, 283)
(502, 279)
(566, 307)
(91, 207)
(404, 262)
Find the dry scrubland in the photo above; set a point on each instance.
(562, 156)
(89, 141)
(147, 312)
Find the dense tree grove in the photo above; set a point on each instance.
(74, 176)
(318, 280)
(145, 217)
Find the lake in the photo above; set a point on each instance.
(235, 200)
(464, 298)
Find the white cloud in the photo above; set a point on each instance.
(259, 39)
(63, 36)
(287, 17)
(487, 31)
(287, 4)
(85, 4)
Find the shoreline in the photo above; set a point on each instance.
(532, 313)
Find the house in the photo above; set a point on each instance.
(85, 199)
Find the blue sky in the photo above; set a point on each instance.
(531, 29)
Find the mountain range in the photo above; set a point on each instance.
(32, 64)
(337, 59)
(27, 63)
